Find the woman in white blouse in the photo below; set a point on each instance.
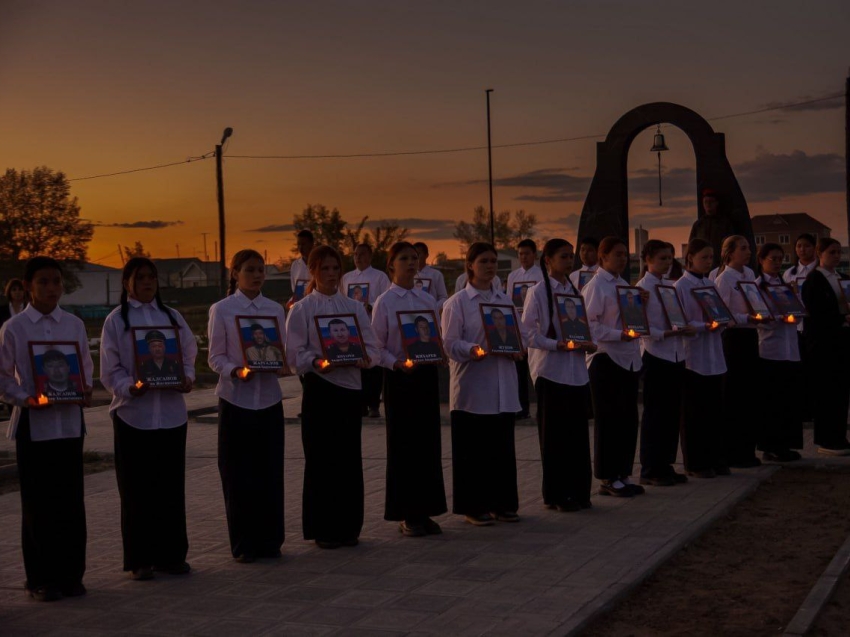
(330, 407)
(781, 428)
(560, 383)
(740, 348)
(150, 428)
(48, 438)
(484, 399)
(250, 423)
(705, 367)
(614, 371)
(415, 490)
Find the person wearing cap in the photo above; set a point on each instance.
(158, 366)
(714, 225)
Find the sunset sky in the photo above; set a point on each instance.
(97, 87)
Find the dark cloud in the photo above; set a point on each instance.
(147, 225)
(557, 185)
(414, 223)
(283, 227)
(769, 177)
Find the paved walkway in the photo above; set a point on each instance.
(545, 575)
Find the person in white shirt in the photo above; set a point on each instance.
(705, 367)
(827, 339)
(614, 371)
(331, 420)
(415, 491)
(520, 281)
(298, 271)
(461, 281)
(781, 428)
(438, 283)
(807, 261)
(375, 283)
(561, 384)
(483, 400)
(250, 421)
(663, 368)
(48, 439)
(740, 348)
(588, 254)
(16, 296)
(150, 429)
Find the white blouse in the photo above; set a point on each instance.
(703, 352)
(534, 273)
(303, 345)
(262, 390)
(799, 271)
(544, 359)
(487, 386)
(377, 280)
(777, 340)
(733, 296)
(16, 374)
(603, 315)
(574, 276)
(669, 349)
(385, 320)
(462, 280)
(298, 272)
(438, 284)
(156, 408)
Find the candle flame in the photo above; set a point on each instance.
(791, 319)
(632, 333)
(479, 351)
(139, 384)
(42, 399)
(243, 373)
(571, 345)
(714, 325)
(325, 363)
(758, 316)
(408, 363)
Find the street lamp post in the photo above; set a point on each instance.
(490, 170)
(220, 187)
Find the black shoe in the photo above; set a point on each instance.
(654, 481)
(142, 574)
(703, 473)
(174, 569)
(569, 506)
(246, 558)
(272, 554)
(786, 455)
(73, 590)
(506, 516)
(586, 504)
(679, 478)
(328, 544)
(431, 527)
(482, 519)
(721, 470)
(747, 463)
(635, 488)
(607, 488)
(45, 593)
(352, 541)
(411, 529)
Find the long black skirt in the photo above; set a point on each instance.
(564, 435)
(53, 512)
(662, 414)
(831, 384)
(250, 462)
(484, 476)
(615, 409)
(415, 488)
(702, 411)
(333, 464)
(150, 465)
(739, 424)
(372, 381)
(781, 418)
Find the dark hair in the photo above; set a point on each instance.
(765, 250)
(239, 259)
(730, 244)
(421, 245)
(395, 250)
(695, 246)
(54, 355)
(256, 326)
(337, 321)
(130, 269)
(421, 319)
(314, 263)
(11, 283)
(496, 310)
(824, 244)
(476, 250)
(305, 234)
(527, 243)
(364, 245)
(650, 249)
(609, 243)
(40, 263)
(676, 269)
(549, 249)
(591, 241)
(806, 237)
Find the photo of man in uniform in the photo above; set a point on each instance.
(631, 305)
(573, 326)
(424, 348)
(158, 366)
(342, 348)
(261, 349)
(502, 338)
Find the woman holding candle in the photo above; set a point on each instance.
(740, 349)
(484, 399)
(150, 429)
(781, 428)
(827, 337)
(250, 423)
(663, 367)
(614, 371)
(331, 408)
(560, 380)
(705, 367)
(48, 440)
(415, 491)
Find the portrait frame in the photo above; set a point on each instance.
(299, 289)
(720, 313)
(798, 287)
(365, 291)
(844, 285)
(516, 293)
(755, 300)
(790, 305)
(509, 345)
(251, 353)
(579, 331)
(76, 376)
(173, 374)
(339, 358)
(633, 317)
(409, 339)
(426, 283)
(584, 277)
(674, 311)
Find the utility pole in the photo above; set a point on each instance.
(121, 254)
(490, 170)
(206, 254)
(847, 147)
(220, 188)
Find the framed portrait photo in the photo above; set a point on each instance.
(785, 301)
(262, 346)
(358, 292)
(672, 306)
(341, 339)
(420, 337)
(423, 284)
(299, 289)
(632, 310)
(501, 329)
(712, 305)
(519, 291)
(584, 276)
(754, 299)
(844, 284)
(572, 316)
(798, 287)
(58, 372)
(159, 358)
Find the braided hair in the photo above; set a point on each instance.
(130, 269)
(549, 250)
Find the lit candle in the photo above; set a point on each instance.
(715, 325)
(324, 364)
(632, 333)
(479, 351)
(243, 373)
(571, 345)
(408, 363)
(42, 400)
(790, 318)
(139, 384)
(758, 316)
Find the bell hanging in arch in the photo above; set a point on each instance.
(659, 146)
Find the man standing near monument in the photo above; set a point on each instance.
(714, 226)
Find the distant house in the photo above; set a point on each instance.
(187, 273)
(99, 285)
(784, 230)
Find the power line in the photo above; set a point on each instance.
(778, 107)
(138, 170)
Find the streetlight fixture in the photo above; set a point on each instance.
(220, 187)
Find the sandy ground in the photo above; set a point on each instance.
(835, 618)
